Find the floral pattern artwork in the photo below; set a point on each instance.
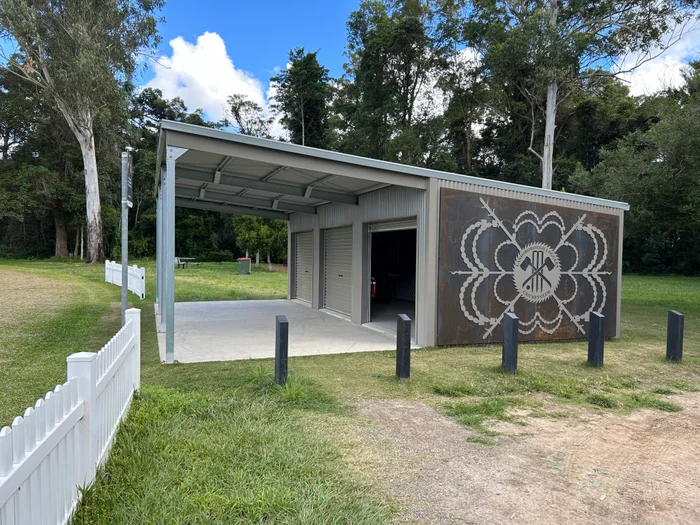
(551, 271)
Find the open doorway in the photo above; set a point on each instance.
(393, 274)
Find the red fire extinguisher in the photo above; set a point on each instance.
(373, 288)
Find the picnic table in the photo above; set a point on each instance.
(184, 262)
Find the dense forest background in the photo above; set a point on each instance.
(425, 84)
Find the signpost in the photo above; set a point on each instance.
(127, 202)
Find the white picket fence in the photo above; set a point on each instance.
(59, 443)
(137, 277)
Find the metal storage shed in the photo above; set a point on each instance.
(461, 251)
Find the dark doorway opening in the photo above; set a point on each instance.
(393, 269)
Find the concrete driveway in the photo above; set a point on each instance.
(230, 330)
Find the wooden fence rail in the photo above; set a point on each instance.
(137, 277)
(59, 443)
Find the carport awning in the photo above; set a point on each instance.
(231, 173)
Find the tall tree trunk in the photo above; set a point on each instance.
(95, 242)
(81, 124)
(551, 114)
(77, 242)
(6, 143)
(82, 239)
(468, 147)
(61, 232)
(548, 152)
(257, 259)
(269, 263)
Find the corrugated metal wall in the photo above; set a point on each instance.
(554, 201)
(385, 204)
(388, 203)
(398, 202)
(513, 194)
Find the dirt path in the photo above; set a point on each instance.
(638, 469)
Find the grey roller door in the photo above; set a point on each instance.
(337, 290)
(303, 265)
(388, 226)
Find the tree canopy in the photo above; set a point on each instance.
(491, 88)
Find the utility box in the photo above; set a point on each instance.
(244, 266)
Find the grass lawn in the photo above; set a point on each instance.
(220, 443)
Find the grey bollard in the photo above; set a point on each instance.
(596, 340)
(403, 347)
(510, 343)
(281, 349)
(674, 336)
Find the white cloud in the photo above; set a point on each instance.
(664, 71)
(276, 130)
(203, 75)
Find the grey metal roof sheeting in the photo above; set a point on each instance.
(246, 182)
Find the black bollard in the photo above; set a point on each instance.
(596, 340)
(403, 347)
(281, 349)
(510, 343)
(674, 336)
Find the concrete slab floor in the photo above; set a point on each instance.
(383, 315)
(231, 330)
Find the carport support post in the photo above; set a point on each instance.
(510, 343)
(159, 255)
(168, 315)
(596, 339)
(674, 336)
(172, 154)
(403, 347)
(281, 349)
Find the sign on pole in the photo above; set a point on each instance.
(130, 182)
(127, 192)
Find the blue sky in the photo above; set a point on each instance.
(213, 49)
(258, 35)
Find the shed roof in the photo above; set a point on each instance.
(225, 171)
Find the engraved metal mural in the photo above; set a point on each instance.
(551, 266)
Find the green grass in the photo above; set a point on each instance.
(220, 281)
(245, 457)
(473, 414)
(55, 308)
(221, 443)
(201, 444)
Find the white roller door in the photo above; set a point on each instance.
(303, 265)
(337, 290)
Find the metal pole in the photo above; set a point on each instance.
(169, 255)
(674, 336)
(510, 343)
(159, 255)
(403, 347)
(125, 236)
(596, 339)
(281, 349)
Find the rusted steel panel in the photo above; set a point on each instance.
(550, 265)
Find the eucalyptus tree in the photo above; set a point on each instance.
(19, 112)
(464, 86)
(247, 117)
(394, 48)
(303, 95)
(80, 53)
(561, 43)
